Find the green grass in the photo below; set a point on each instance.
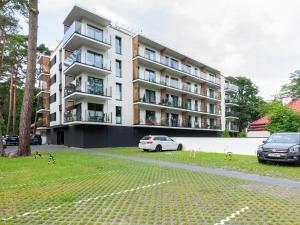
(242, 163)
(89, 189)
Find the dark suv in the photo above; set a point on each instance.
(36, 139)
(280, 147)
(12, 139)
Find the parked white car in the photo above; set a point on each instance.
(158, 143)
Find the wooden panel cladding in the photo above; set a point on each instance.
(135, 69)
(184, 98)
(135, 46)
(184, 61)
(185, 118)
(203, 121)
(136, 114)
(136, 92)
(46, 64)
(46, 119)
(46, 102)
(163, 116)
(203, 105)
(163, 93)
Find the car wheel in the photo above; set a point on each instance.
(158, 148)
(261, 161)
(145, 150)
(179, 148)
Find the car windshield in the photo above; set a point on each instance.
(284, 138)
(146, 138)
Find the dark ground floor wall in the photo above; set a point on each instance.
(87, 136)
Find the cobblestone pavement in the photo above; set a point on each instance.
(118, 191)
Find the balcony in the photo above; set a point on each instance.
(179, 87)
(42, 124)
(232, 127)
(178, 106)
(231, 101)
(175, 123)
(232, 114)
(77, 63)
(231, 87)
(42, 74)
(43, 91)
(87, 91)
(43, 108)
(88, 116)
(182, 70)
(75, 37)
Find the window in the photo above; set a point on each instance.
(53, 61)
(174, 63)
(95, 112)
(212, 108)
(150, 117)
(94, 32)
(196, 89)
(118, 114)
(53, 79)
(150, 96)
(53, 117)
(196, 105)
(150, 75)
(118, 45)
(211, 93)
(174, 82)
(95, 86)
(53, 98)
(94, 59)
(175, 99)
(149, 54)
(196, 122)
(118, 91)
(118, 68)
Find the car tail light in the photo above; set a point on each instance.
(149, 142)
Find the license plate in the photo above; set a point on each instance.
(278, 155)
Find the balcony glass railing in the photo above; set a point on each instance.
(234, 101)
(77, 56)
(181, 67)
(88, 116)
(88, 88)
(232, 87)
(232, 114)
(76, 27)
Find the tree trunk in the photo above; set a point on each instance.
(2, 151)
(25, 119)
(14, 107)
(10, 100)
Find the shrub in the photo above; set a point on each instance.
(242, 133)
(225, 133)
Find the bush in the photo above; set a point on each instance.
(242, 134)
(225, 133)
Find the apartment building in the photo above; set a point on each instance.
(231, 105)
(110, 88)
(43, 109)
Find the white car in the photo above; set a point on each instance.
(3, 142)
(158, 143)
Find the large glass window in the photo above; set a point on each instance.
(118, 42)
(150, 75)
(95, 86)
(174, 82)
(94, 59)
(212, 108)
(211, 93)
(95, 112)
(94, 32)
(174, 63)
(149, 54)
(150, 117)
(118, 114)
(174, 100)
(150, 96)
(118, 91)
(118, 68)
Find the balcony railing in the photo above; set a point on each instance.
(78, 57)
(232, 127)
(233, 101)
(232, 114)
(177, 123)
(232, 87)
(177, 104)
(180, 86)
(88, 88)
(180, 67)
(76, 27)
(88, 116)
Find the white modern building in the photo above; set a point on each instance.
(110, 88)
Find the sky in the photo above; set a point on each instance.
(254, 38)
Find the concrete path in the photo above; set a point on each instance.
(234, 174)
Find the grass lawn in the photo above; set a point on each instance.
(87, 189)
(240, 163)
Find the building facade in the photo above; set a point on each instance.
(110, 88)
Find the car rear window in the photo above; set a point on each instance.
(146, 138)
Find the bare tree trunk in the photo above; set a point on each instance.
(25, 120)
(2, 151)
(14, 107)
(10, 100)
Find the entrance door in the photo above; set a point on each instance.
(60, 137)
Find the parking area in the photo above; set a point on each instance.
(82, 188)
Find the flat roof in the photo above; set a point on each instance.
(79, 12)
(176, 54)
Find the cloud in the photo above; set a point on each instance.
(259, 39)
